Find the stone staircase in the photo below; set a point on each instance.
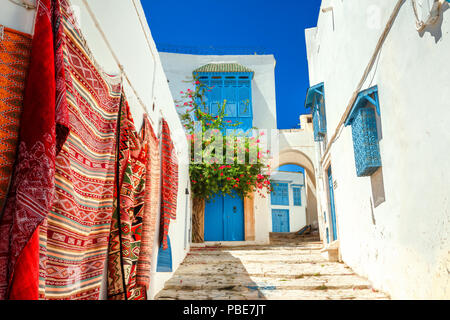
(291, 267)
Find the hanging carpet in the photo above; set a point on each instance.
(128, 215)
(43, 129)
(74, 239)
(151, 204)
(169, 176)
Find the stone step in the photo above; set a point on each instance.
(284, 251)
(276, 269)
(318, 246)
(240, 282)
(330, 294)
(252, 258)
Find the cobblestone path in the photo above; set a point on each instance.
(290, 267)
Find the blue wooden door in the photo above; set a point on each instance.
(333, 211)
(234, 218)
(214, 219)
(224, 218)
(280, 220)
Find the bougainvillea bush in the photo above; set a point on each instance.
(223, 159)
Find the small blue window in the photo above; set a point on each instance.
(164, 263)
(363, 120)
(297, 196)
(315, 101)
(280, 194)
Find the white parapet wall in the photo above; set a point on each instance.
(136, 50)
(401, 244)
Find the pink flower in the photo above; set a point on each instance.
(181, 92)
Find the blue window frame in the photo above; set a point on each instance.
(164, 263)
(236, 89)
(297, 192)
(280, 194)
(363, 121)
(315, 101)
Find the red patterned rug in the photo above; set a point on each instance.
(169, 176)
(128, 215)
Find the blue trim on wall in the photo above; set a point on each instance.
(164, 263)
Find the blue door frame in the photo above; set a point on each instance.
(224, 218)
(332, 208)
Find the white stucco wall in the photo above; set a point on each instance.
(297, 214)
(401, 245)
(120, 22)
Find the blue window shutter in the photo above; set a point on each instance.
(280, 194)
(315, 100)
(244, 99)
(236, 89)
(230, 94)
(365, 142)
(297, 196)
(207, 96)
(164, 258)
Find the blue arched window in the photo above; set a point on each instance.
(231, 82)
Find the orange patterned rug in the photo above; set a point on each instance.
(15, 50)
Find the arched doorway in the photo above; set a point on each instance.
(291, 156)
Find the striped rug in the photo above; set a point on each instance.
(74, 240)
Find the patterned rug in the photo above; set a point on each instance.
(128, 215)
(151, 203)
(169, 176)
(15, 48)
(75, 242)
(42, 130)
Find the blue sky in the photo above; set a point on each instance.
(277, 26)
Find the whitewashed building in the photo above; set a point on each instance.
(236, 78)
(380, 89)
(288, 201)
(255, 217)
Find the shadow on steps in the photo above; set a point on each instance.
(220, 285)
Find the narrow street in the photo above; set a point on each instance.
(290, 268)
